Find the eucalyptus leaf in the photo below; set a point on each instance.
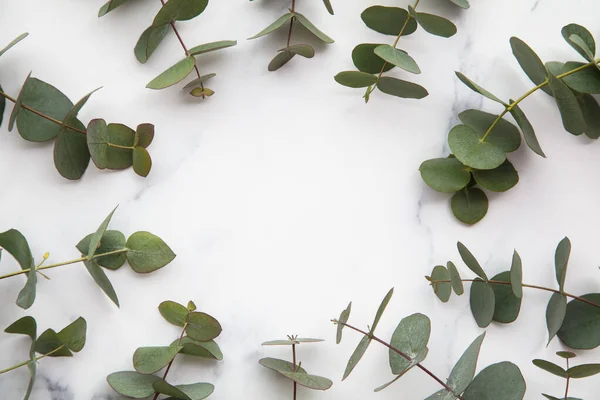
(455, 279)
(381, 309)
(516, 275)
(149, 41)
(49, 342)
(280, 365)
(442, 290)
(566, 354)
(469, 205)
(591, 113)
(282, 58)
(147, 252)
(355, 79)
(579, 38)
(434, 24)
(527, 128)
(24, 326)
(109, 6)
(463, 371)
(97, 236)
(111, 241)
(358, 353)
(482, 302)
(446, 175)
(461, 3)
(313, 29)
(472, 151)
(148, 360)
(550, 367)
(275, 25)
(303, 50)
(365, 59)
(74, 335)
(501, 381)
(400, 88)
(581, 326)
(506, 305)
(208, 349)
(102, 280)
(584, 371)
(160, 386)
(71, 154)
(202, 327)
(195, 391)
(16, 245)
(529, 61)
(142, 163)
(13, 42)
(389, 20)
(470, 261)
(328, 6)
(310, 381)
(344, 316)
(198, 81)
(173, 74)
(132, 384)
(476, 88)
(561, 261)
(555, 314)
(213, 46)
(570, 111)
(179, 10)
(397, 57)
(410, 337)
(504, 134)
(173, 312)
(499, 179)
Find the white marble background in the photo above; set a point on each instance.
(285, 196)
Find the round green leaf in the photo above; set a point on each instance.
(410, 337)
(366, 60)
(397, 57)
(581, 326)
(400, 88)
(198, 81)
(279, 365)
(173, 74)
(148, 360)
(142, 163)
(506, 305)
(504, 134)
(501, 381)
(499, 179)
(280, 60)
(580, 39)
(196, 391)
(434, 24)
(482, 302)
(173, 312)
(446, 175)
(132, 384)
(469, 205)
(471, 150)
(147, 252)
(144, 134)
(111, 241)
(73, 335)
(456, 283)
(179, 10)
(208, 349)
(442, 290)
(355, 79)
(566, 354)
(49, 342)
(167, 389)
(388, 20)
(202, 327)
(71, 154)
(24, 326)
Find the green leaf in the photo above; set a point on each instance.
(591, 113)
(568, 106)
(566, 354)
(442, 290)
(208, 349)
(463, 371)
(516, 275)
(13, 42)
(310, 381)
(280, 60)
(470, 261)
(101, 142)
(303, 50)
(389, 20)
(16, 245)
(580, 39)
(501, 381)
(446, 175)
(132, 384)
(73, 335)
(283, 342)
(581, 326)
(461, 3)
(144, 134)
(400, 88)
(328, 6)
(527, 128)
(160, 386)
(586, 81)
(365, 59)
(173, 74)
(381, 309)
(46, 99)
(469, 205)
(341, 321)
(529, 61)
(434, 24)
(499, 179)
(213, 46)
(313, 29)
(355, 79)
(279, 365)
(111, 241)
(506, 305)
(147, 252)
(456, 281)
(49, 342)
(109, 6)
(142, 163)
(173, 312)
(2, 105)
(198, 81)
(476, 88)
(584, 371)
(397, 57)
(561, 261)
(71, 154)
(202, 327)
(358, 353)
(149, 41)
(309, 340)
(97, 236)
(274, 26)
(102, 280)
(410, 337)
(195, 391)
(18, 106)
(504, 134)
(483, 302)
(550, 367)
(179, 10)
(471, 150)
(555, 314)
(24, 326)
(148, 360)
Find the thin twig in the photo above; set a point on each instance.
(171, 362)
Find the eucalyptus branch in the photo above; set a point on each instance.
(24, 363)
(576, 372)
(171, 362)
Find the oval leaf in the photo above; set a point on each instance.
(456, 281)
(570, 111)
(506, 305)
(446, 175)
(173, 312)
(355, 79)
(516, 275)
(469, 205)
(471, 150)
(147, 252)
(365, 59)
(555, 314)
(434, 24)
(132, 384)
(442, 290)
(397, 57)
(501, 381)
(499, 179)
(202, 327)
(581, 326)
(504, 134)
(213, 46)
(389, 20)
(529, 61)
(400, 88)
(482, 302)
(174, 74)
(148, 360)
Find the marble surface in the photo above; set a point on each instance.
(285, 196)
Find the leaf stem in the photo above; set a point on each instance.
(568, 381)
(394, 349)
(512, 105)
(171, 362)
(294, 361)
(28, 361)
(24, 271)
(531, 287)
(120, 147)
(36, 112)
(293, 9)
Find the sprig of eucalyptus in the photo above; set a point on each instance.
(43, 113)
(196, 339)
(71, 339)
(576, 372)
(173, 11)
(143, 251)
(294, 370)
(373, 59)
(577, 323)
(481, 143)
(408, 349)
(285, 54)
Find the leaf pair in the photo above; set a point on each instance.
(139, 386)
(143, 251)
(199, 326)
(49, 344)
(576, 372)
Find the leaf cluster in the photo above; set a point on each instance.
(197, 339)
(372, 60)
(481, 144)
(173, 11)
(69, 340)
(576, 372)
(408, 349)
(577, 323)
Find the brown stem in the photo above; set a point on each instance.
(36, 112)
(289, 39)
(294, 361)
(389, 346)
(568, 381)
(171, 363)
